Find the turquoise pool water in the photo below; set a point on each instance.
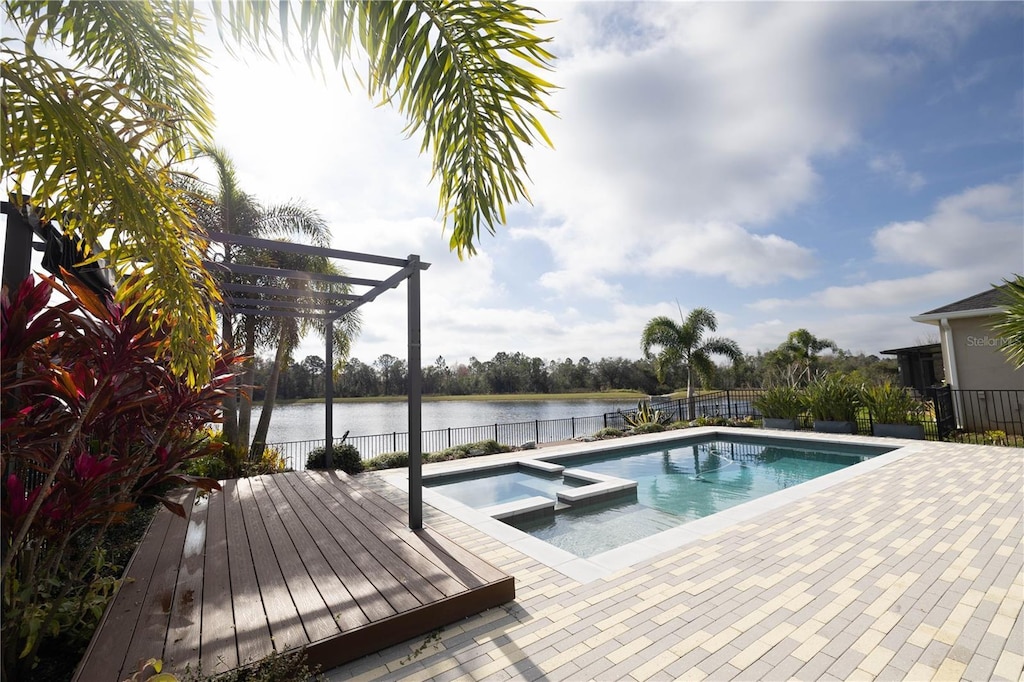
(677, 482)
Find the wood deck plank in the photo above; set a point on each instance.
(282, 615)
(296, 564)
(104, 657)
(399, 538)
(290, 560)
(184, 628)
(386, 585)
(470, 570)
(357, 521)
(250, 627)
(341, 602)
(484, 571)
(147, 639)
(218, 646)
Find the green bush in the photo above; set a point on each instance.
(833, 398)
(608, 432)
(781, 402)
(387, 460)
(480, 448)
(345, 456)
(397, 460)
(890, 404)
(680, 424)
(649, 427)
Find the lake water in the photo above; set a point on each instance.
(306, 421)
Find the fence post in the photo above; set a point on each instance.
(605, 416)
(536, 431)
(449, 436)
(394, 441)
(573, 426)
(728, 402)
(679, 409)
(495, 433)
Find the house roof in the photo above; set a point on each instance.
(988, 299)
(926, 348)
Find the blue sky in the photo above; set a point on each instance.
(834, 166)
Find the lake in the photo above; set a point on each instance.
(305, 421)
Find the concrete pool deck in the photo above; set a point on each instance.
(911, 570)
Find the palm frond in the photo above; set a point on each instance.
(464, 74)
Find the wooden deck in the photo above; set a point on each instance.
(279, 562)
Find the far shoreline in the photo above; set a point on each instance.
(477, 397)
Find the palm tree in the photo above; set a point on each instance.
(1010, 323)
(287, 332)
(93, 139)
(684, 344)
(232, 210)
(803, 349)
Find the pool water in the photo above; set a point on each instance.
(506, 486)
(677, 482)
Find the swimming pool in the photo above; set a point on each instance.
(600, 501)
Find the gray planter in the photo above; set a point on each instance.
(835, 427)
(776, 423)
(912, 431)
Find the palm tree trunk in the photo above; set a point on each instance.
(245, 409)
(691, 403)
(259, 439)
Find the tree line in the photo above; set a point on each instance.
(515, 372)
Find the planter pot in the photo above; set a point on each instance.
(912, 431)
(835, 427)
(785, 424)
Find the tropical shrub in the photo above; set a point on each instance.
(345, 456)
(645, 414)
(781, 402)
(680, 424)
(890, 404)
(608, 432)
(833, 398)
(228, 461)
(649, 427)
(477, 449)
(398, 460)
(387, 460)
(94, 420)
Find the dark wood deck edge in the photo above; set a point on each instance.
(345, 647)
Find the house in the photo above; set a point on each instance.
(987, 390)
(972, 354)
(920, 367)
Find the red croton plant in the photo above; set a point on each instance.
(93, 421)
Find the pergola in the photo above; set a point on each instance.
(289, 300)
(286, 297)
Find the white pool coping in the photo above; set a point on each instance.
(612, 561)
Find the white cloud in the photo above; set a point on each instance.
(893, 167)
(971, 240)
(697, 124)
(982, 227)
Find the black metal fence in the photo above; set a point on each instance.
(983, 417)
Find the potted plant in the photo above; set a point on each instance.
(780, 406)
(895, 413)
(833, 402)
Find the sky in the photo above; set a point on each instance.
(838, 167)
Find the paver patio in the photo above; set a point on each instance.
(912, 571)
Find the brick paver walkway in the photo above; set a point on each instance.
(912, 571)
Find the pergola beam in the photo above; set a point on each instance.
(277, 291)
(299, 275)
(287, 247)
